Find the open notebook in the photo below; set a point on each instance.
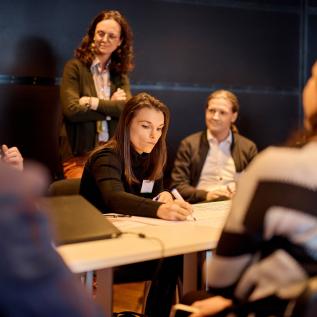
(75, 220)
(208, 210)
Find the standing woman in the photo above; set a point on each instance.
(125, 176)
(95, 88)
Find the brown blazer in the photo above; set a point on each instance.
(190, 159)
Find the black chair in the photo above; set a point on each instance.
(67, 187)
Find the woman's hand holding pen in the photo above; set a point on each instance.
(165, 197)
(175, 210)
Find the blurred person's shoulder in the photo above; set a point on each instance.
(287, 162)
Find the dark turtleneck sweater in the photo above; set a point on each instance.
(105, 186)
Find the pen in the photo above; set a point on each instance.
(116, 215)
(178, 196)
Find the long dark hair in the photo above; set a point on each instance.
(121, 139)
(122, 57)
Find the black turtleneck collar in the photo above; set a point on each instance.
(139, 164)
(136, 156)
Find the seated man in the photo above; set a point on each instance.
(12, 156)
(34, 281)
(208, 162)
(268, 247)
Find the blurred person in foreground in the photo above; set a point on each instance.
(268, 246)
(34, 280)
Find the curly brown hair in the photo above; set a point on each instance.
(122, 57)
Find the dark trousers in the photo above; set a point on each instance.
(164, 275)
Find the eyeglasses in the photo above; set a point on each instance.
(111, 37)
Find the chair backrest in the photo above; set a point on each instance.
(64, 187)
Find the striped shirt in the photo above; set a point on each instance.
(269, 243)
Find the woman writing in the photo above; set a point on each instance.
(95, 87)
(126, 174)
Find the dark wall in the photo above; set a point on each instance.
(261, 50)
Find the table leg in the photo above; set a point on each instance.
(190, 272)
(104, 290)
(89, 281)
(208, 257)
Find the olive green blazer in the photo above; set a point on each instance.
(80, 122)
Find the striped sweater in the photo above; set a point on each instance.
(269, 243)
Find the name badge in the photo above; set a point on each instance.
(147, 186)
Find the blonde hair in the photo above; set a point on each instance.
(231, 97)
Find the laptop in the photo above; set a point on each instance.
(75, 220)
